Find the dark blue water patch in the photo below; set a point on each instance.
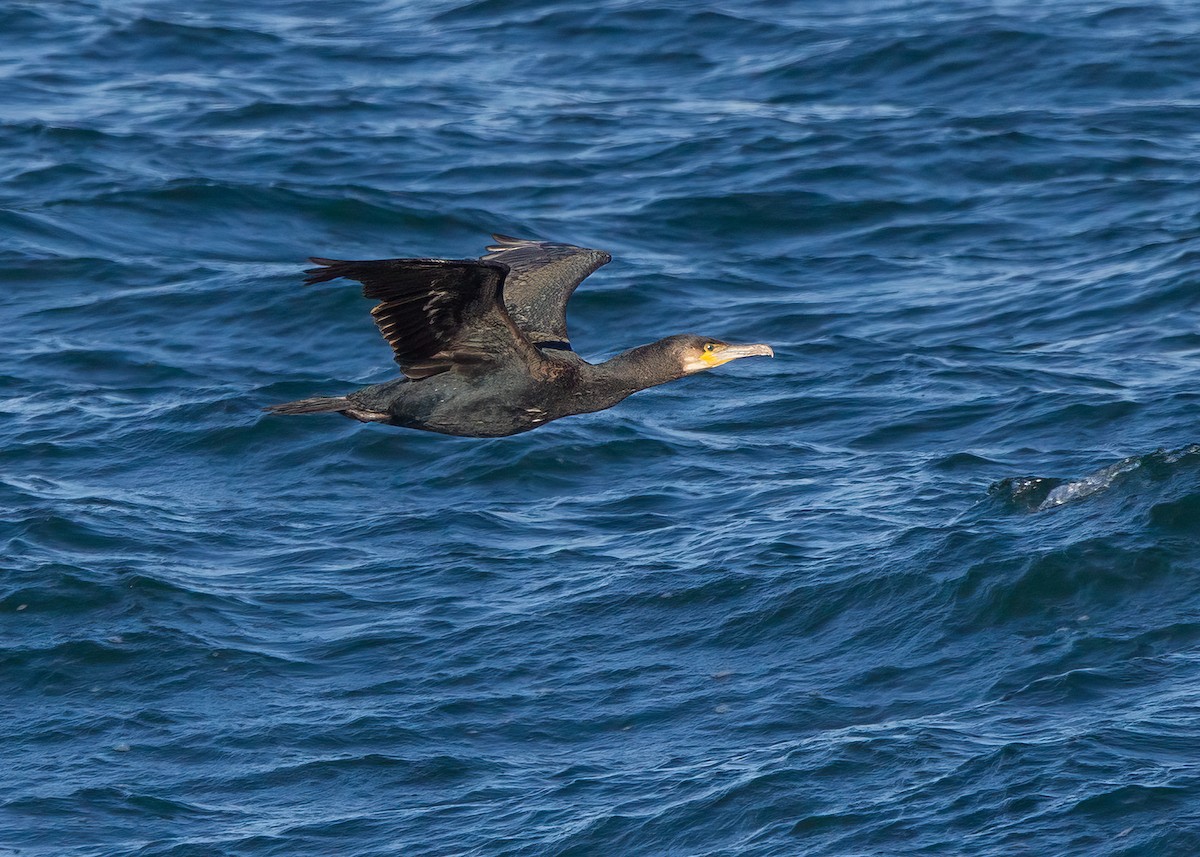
(1164, 471)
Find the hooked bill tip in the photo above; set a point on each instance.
(751, 351)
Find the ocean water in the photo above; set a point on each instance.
(928, 583)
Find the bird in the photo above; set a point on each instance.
(483, 347)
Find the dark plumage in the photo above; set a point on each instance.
(483, 343)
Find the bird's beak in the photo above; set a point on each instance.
(725, 353)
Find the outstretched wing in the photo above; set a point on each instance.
(437, 314)
(542, 276)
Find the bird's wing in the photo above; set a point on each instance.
(541, 278)
(437, 314)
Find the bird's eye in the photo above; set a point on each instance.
(709, 348)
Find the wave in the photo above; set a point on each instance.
(1042, 493)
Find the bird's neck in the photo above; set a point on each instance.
(626, 373)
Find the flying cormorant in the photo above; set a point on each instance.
(483, 343)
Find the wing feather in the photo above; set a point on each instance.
(542, 277)
(437, 314)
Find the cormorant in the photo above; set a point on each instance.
(483, 343)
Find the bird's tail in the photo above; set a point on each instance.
(318, 405)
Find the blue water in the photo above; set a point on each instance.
(928, 583)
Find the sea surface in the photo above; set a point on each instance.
(927, 583)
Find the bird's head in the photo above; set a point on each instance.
(670, 358)
(697, 353)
